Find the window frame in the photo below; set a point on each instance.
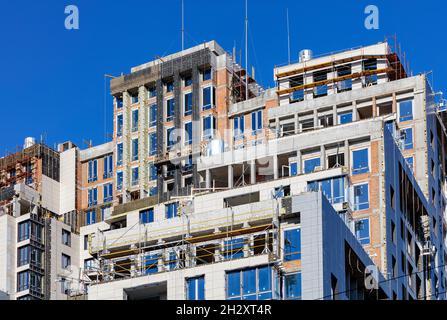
(362, 170)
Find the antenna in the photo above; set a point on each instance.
(288, 35)
(246, 49)
(183, 25)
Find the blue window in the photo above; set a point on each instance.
(250, 284)
(187, 81)
(92, 170)
(361, 197)
(134, 149)
(188, 133)
(105, 212)
(345, 118)
(171, 137)
(153, 191)
(151, 263)
(108, 192)
(66, 261)
(362, 231)
(208, 98)
(108, 166)
(119, 180)
(92, 197)
(360, 162)
(311, 164)
(135, 176)
(239, 127)
(153, 115)
(119, 125)
(23, 256)
(292, 244)
(171, 210)
(298, 95)
(24, 230)
(135, 114)
(332, 188)
(23, 281)
(256, 122)
(152, 92)
(195, 288)
(153, 175)
(172, 261)
(170, 106)
(207, 74)
(406, 110)
(293, 169)
(410, 161)
(119, 103)
(90, 217)
(170, 86)
(233, 249)
(153, 144)
(209, 124)
(147, 216)
(119, 154)
(134, 98)
(188, 164)
(188, 104)
(292, 286)
(407, 138)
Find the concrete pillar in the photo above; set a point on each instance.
(315, 119)
(374, 107)
(230, 176)
(347, 160)
(298, 160)
(323, 157)
(208, 178)
(394, 105)
(297, 124)
(277, 128)
(354, 111)
(275, 167)
(334, 114)
(253, 172)
(217, 251)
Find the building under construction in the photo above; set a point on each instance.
(329, 186)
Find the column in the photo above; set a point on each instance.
(230, 176)
(334, 114)
(298, 161)
(354, 111)
(297, 124)
(275, 167)
(253, 172)
(347, 160)
(323, 157)
(208, 178)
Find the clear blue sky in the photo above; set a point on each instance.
(51, 79)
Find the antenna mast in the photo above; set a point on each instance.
(246, 49)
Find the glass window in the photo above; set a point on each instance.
(119, 180)
(345, 118)
(171, 137)
(135, 120)
(188, 133)
(407, 138)
(66, 237)
(135, 176)
(108, 166)
(195, 288)
(134, 98)
(90, 217)
(92, 170)
(147, 216)
(23, 256)
(256, 122)
(134, 149)
(172, 261)
(119, 103)
(239, 127)
(171, 210)
(292, 286)
(24, 230)
(234, 248)
(360, 161)
(170, 106)
(406, 110)
(361, 197)
(151, 263)
(170, 86)
(207, 74)
(86, 242)
(119, 125)
(187, 81)
(311, 164)
(108, 192)
(207, 98)
(153, 144)
(362, 231)
(153, 174)
(119, 154)
(89, 264)
(188, 104)
(153, 115)
(409, 162)
(92, 197)
(293, 169)
(209, 125)
(292, 244)
(66, 261)
(333, 189)
(152, 92)
(23, 280)
(250, 284)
